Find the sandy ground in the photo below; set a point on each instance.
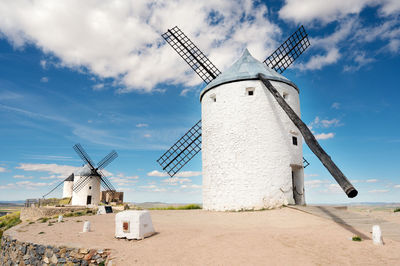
(195, 237)
(379, 212)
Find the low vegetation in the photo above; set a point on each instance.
(397, 210)
(8, 221)
(86, 212)
(356, 238)
(185, 207)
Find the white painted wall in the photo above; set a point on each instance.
(67, 189)
(247, 148)
(92, 188)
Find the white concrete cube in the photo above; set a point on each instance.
(133, 225)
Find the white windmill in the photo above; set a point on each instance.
(250, 133)
(88, 181)
(83, 187)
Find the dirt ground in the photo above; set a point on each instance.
(196, 237)
(379, 212)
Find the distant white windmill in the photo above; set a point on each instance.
(83, 187)
(250, 133)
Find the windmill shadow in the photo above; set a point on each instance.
(342, 223)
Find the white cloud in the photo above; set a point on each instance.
(44, 79)
(8, 186)
(121, 40)
(63, 170)
(22, 177)
(174, 180)
(2, 169)
(361, 60)
(142, 125)
(321, 60)
(147, 135)
(396, 186)
(378, 191)
(179, 174)
(157, 173)
(301, 11)
(335, 105)
(315, 183)
(371, 180)
(98, 87)
(323, 136)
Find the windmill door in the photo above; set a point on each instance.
(89, 200)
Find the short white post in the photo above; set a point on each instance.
(86, 227)
(377, 235)
(60, 218)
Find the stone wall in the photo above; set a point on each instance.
(14, 252)
(34, 213)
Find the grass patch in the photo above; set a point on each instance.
(356, 238)
(185, 207)
(31, 222)
(79, 213)
(8, 221)
(78, 221)
(397, 210)
(40, 233)
(43, 219)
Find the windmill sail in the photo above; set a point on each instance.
(182, 151)
(191, 54)
(312, 142)
(288, 51)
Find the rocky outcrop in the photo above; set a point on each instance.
(14, 252)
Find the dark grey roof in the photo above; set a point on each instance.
(70, 178)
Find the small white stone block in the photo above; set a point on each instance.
(86, 227)
(377, 235)
(133, 225)
(60, 218)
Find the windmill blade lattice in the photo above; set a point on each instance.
(107, 160)
(289, 51)
(182, 151)
(84, 156)
(106, 184)
(191, 54)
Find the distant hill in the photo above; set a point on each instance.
(12, 202)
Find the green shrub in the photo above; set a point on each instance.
(8, 221)
(186, 207)
(397, 210)
(43, 219)
(356, 238)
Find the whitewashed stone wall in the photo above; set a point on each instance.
(67, 189)
(247, 149)
(92, 188)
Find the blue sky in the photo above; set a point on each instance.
(98, 73)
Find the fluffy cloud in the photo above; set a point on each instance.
(2, 169)
(301, 11)
(315, 183)
(175, 180)
(371, 180)
(62, 170)
(22, 177)
(142, 125)
(121, 39)
(396, 186)
(323, 136)
(324, 123)
(179, 174)
(378, 191)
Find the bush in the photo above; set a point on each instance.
(356, 238)
(8, 221)
(397, 210)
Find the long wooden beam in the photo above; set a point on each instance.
(312, 141)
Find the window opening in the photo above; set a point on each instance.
(294, 140)
(250, 91)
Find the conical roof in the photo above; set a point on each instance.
(246, 68)
(70, 178)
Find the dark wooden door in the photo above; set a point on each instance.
(89, 200)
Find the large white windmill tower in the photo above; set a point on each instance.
(252, 152)
(250, 133)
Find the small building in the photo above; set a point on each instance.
(112, 196)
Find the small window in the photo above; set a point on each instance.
(90, 187)
(213, 97)
(294, 140)
(285, 95)
(250, 91)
